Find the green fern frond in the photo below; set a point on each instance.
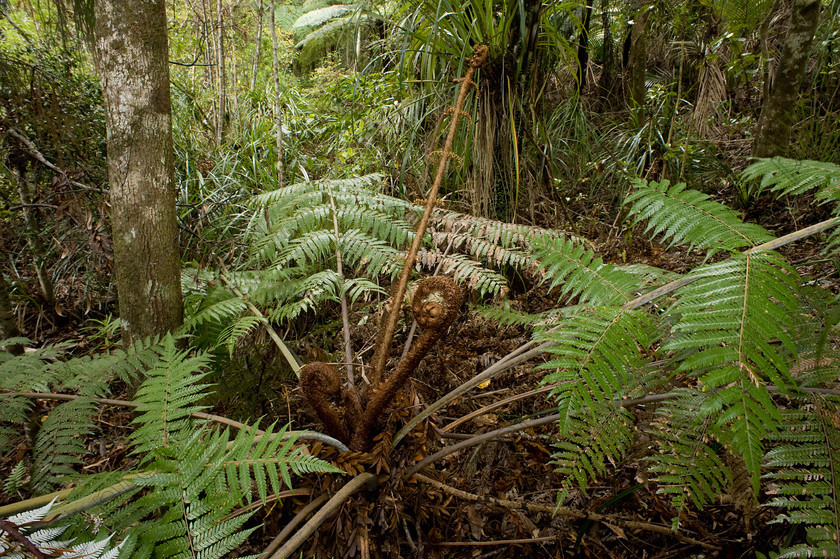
(690, 217)
(195, 520)
(722, 324)
(464, 271)
(686, 467)
(239, 329)
(597, 352)
(167, 398)
(15, 480)
(463, 227)
(582, 275)
(790, 177)
(264, 461)
(590, 439)
(804, 469)
(59, 444)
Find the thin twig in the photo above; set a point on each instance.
(33, 151)
(563, 511)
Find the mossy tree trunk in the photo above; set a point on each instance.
(133, 56)
(774, 125)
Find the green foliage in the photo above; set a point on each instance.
(803, 476)
(47, 540)
(293, 246)
(729, 346)
(690, 217)
(177, 500)
(688, 466)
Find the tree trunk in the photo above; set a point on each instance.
(774, 125)
(583, 46)
(220, 63)
(278, 106)
(638, 53)
(8, 324)
(256, 62)
(606, 81)
(133, 60)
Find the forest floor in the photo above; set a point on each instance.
(495, 499)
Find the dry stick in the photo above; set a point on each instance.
(345, 318)
(522, 541)
(33, 151)
(494, 405)
(289, 528)
(290, 359)
(523, 352)
(383, 345)
(331, 506)
(563, 511)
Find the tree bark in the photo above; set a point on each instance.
(638, 53)
(256, 62)
(774, 125)
(133, 55)
(278, 106)
(221, 123)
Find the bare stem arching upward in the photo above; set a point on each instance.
(386, 335)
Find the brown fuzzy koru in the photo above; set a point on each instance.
(435, 306)
(319, 381)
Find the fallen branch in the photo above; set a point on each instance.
(33, 151)
(315, 522)
(290, 527)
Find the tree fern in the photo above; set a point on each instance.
(59, 444)
(804, 477)
(790, 177)
(686, 216)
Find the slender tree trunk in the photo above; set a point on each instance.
(133, 60)
(638, 53)
(774, 124)
(278, 106)
(255, 66)
(607, 79)
(8, 324)
(33, 235)
(583, 46)
(220, 64)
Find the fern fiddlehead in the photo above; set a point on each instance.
(435, 306)
(318, 381)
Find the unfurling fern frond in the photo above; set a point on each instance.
(722, 327)
(690, 217)
(805, 475)
(168, 397)
(687, 468)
